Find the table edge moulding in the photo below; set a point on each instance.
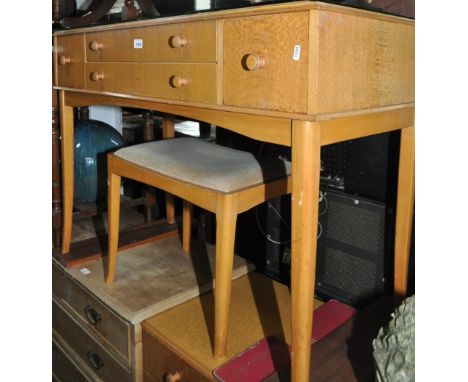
(301, 74)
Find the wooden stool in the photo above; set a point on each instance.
(217, 178)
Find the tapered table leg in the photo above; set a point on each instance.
(304, 199)
(56, 186)
(404, 211)
(66, 125)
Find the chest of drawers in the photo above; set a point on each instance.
(97, 328)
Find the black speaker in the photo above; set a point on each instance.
(356, 219)
(353, 248)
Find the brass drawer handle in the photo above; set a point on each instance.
(94, 360)
(172, 377)
(95, 46)
(178, 81)
(177, 42)
(253, 62)
(92, 315)
(63, 60)
(96, 76)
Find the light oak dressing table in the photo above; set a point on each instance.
(301, 74)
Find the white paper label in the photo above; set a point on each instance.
(297, 53)
(138, 43)
(85, 271)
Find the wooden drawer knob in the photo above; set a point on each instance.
(177, 42)
(178, 81)
(253, 62)
(96, 76)
(63, 60)
(172, 377)
(96, 45)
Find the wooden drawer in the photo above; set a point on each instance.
(64, 368)
(184, 42)
(160, 362)
(87, 348)
(92, 313)
(266, 62)
(155, 80)
(69, 61)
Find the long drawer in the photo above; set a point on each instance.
(92, 313)
(181, 82)
(183, 42)
(64, 368)
(87, 348)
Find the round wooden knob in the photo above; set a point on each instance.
(254, 62)
(172, 377)
(96, 76)
(178, 81)
(96, 45)
(177, 42)
(63, 60)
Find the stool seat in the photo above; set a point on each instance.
(218, 179)
(204, 164)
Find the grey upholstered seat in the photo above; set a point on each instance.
(205, 164)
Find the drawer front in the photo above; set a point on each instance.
(160, 363)
(63, 368)
(266, 62)
(87, 348)
(182, 82)
(69, 61)
(92, 314)
(185, 42)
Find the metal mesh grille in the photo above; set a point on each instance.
(354, 226)
(350, 273)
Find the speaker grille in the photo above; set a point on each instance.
(354, 226)
(349, 273)
(351, 251)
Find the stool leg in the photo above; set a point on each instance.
(186, 225)
(168, 133)
(170, 210)
(113, 215)
(226, 216)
